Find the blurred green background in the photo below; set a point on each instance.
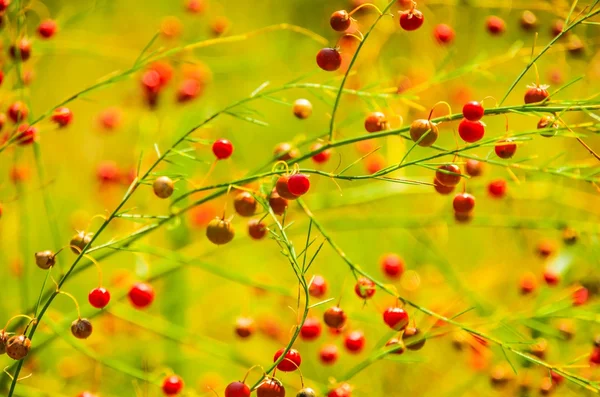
(201, 289)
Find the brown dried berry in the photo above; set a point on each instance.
(220, 231)
(257, 229)
(81, 328)
(570, 236)
(163, 187)
(413, 339)
(18, 347)
(285, 152)
(423, 127)
(80, 240)
(271, 388)
(278, 204)
(302, 108)
(245, 204)
(45, 259)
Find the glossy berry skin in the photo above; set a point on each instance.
(277, 203)
(45, 259)
(298, 184)
(335, 317)
(528, 283)
(442, 189)
(237, 389)
(62, 116)
(474, 167)
(495, 25)
(342, 391)
(18, 347)
(443, 34)
(79, 242)
(355, 341)
(505, 149)
(412, 338)
(328, 354)
(375, 122)
(222, 149)
(536, 94)
(81, 328)
(4, 4)
(448, 175)
(99, 297)
(17, 112)
(421, 127)
(397, 345)
(473, 111)
(163, 187)
(364, 288)
(172, 385)
(283, 189)
(291, 362)
(311, 329)
(302, 108)
(340, 20)
(271, 388)
(595, 356)
(392, 265)
(329, 59)
(580, 296)
(306, 392)
(396, 318)
(497, 188)
(257, 230)
(244, 327)
(322, 157)
(141, 295)
(318, 287)
(463, 203)
(220, 231)
(411, 19)
(47, 28)
(471, 131)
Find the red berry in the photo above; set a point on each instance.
(342, 391)
(222, 149)
(85, 393)
(172, 385)
(505, 149)
(318, 287)
(24, 49)
(62, 116)
(545, 248)
(283, 188)
(271, 388)
(4, 4)
(528, 283)
(474, 167)
(108, 172)
(196, 7)
(471, 131)
(535, 94)
(335, 317)
(595, 356)
(26, 135)
(580, 296)
(411, 19)
(151, 81)
(551, 277)
(291, 362)
(497, 188)
(47, 28)
(321, 157)
(340, 20)
(444, 34)
(245, 204)
(392, 265)
(473, 111)
(442, 189)
(375, 122)
(463, 203)
(256, 229)
(451, 176)
(18, 111)
(298, 184)
(328, 354)
(557, 27)
(311, 329)
(188, 90)
(277, 203)
(355, 341)
(397, 344)
(329, 59)
(99, 297)
(237, 389)
(141, 295)
(495, 25)
(396, 318)
(364, 288)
